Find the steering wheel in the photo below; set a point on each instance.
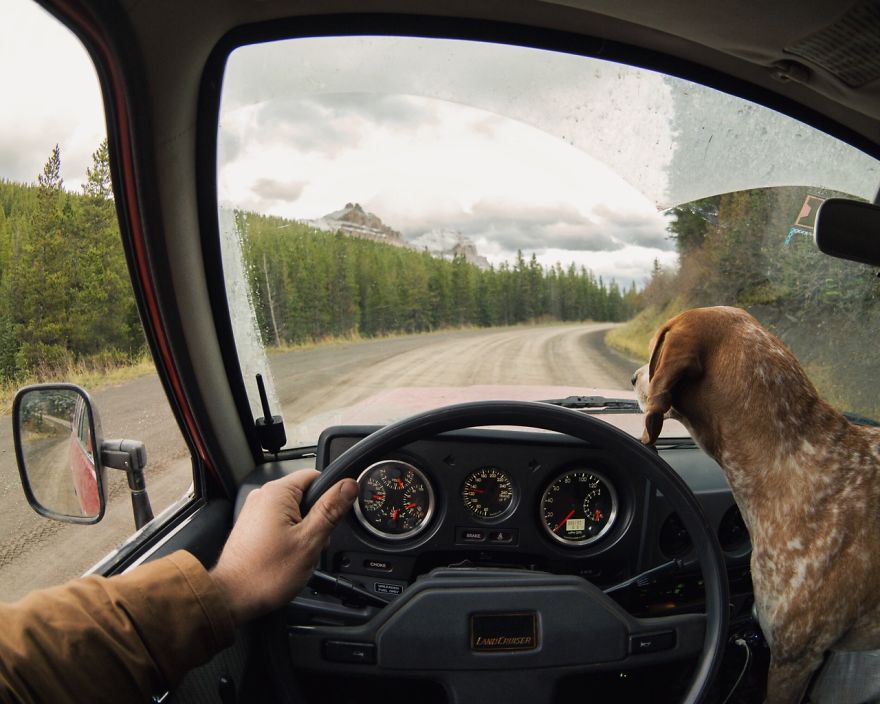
(429, 630)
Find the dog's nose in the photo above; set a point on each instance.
(634, 378)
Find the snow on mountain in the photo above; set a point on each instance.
(448, 244)
(357, 222)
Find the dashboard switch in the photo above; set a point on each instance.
(346, 651)
(471, 535)
(501, 536)
(651, 643)
(377, 565)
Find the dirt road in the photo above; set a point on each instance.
(35, 552)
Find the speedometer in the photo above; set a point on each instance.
(488, 493)
(395, 500)
(578, 508)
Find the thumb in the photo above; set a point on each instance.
(329, 509)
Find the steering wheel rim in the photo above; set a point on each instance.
(584, 427)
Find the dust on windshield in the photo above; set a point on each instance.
(400, 233)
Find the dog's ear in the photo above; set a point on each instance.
(674, 357)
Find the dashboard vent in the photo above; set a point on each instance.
(674, 538)
(732, 532)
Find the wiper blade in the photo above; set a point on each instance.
(860, 420)
(597, 403)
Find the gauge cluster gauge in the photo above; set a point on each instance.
(488, 493)
(578, 507)
(395, 500)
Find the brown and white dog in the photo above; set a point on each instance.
(806, 480)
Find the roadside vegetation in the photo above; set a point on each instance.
(66, 305)
(739, 249)
(309, 285)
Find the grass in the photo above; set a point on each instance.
(89, 375)
(632, 338)
(830, 389)
(353, 338)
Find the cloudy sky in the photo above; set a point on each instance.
(496, 154)
(50, 95)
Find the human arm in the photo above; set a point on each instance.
(125, 637)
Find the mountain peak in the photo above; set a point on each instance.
(354, 220)
(449, 244)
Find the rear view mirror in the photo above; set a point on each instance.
(57, 441)
(849, 229)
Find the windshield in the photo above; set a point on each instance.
(408, 223)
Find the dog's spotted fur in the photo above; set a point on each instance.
(805, 479)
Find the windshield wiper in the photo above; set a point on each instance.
(597, 404)
(860, 420)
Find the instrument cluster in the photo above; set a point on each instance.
(576, 506)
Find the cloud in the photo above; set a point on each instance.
(50, 95)
(641, 229)
(269, 189)
(627, 266)
(333, 124)
(506, 227)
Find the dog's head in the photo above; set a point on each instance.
(674, 358)
(714, 367)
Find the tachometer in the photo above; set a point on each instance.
(488, 492)
(578, 508)
(395, 501)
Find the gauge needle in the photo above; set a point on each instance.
(379, 497)
(479, 491)
(562, 522)
(394, 514)
(412, 505)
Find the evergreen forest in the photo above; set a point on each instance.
(65, 296)
(309, 285)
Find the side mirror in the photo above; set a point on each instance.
(62, 456)
(57, 444)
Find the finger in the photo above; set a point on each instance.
(297, 482)
(328, 510)
(288, 492)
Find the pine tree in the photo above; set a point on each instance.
(42, 277)
(50, 180)
(104, 310)
(98, 184)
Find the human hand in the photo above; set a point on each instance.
(272, 550)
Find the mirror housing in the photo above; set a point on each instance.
(849, 229)
(57, 437)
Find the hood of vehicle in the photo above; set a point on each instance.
(391, 405)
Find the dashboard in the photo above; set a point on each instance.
(534, 501)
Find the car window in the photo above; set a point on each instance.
(408, 223)
(67, 312)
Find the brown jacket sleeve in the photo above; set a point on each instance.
(117, 639)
